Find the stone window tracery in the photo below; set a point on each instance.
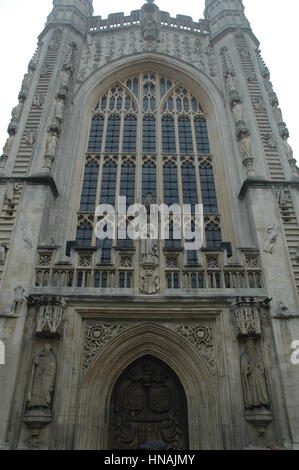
(150, 128)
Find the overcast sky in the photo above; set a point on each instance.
(274, 22)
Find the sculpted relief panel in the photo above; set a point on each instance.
(100, 50)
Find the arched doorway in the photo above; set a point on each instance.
(148, 404)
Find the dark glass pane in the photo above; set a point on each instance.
(149, 134)
(213, 236)
(108, 187)
(189, 186)
(84, 235)
(202, 137)
(112, 135)
(208, 189)
(168, 135)
(185, 135)
(171, 188)
(149, 180)
(130, 134)
(89, 189)
(96, 134)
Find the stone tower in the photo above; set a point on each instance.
(111, 344)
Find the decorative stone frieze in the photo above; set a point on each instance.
(50, 316)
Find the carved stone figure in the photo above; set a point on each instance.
(30, 136)
(150, 21)
(38, 100)
(17, 112)
(238, 112)
(42, 381)
(253, 378)
(270, 239)
(281, 310)
(149, 281)
(44, 70)
(270, 140)
(26, 84)
(259, 104)
(65, 79)
(230, 81)
(288, 149)
(59, 109)
(52, 143)
(9, 196)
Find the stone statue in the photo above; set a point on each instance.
(149, 281)
(230, 82)
(270, 140)
(52, 143)
(65, 78)
(259, 104)
(59, 108)
(17, 112)
(253, 378)
(150, 21)
(42, 381)
(288, 149)
(238, 112)
(9, 195)
(270, 239)
(26, 84)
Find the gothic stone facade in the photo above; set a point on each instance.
(113, 345)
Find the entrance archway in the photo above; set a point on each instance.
(148, 405)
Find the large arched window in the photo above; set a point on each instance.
(148, 133)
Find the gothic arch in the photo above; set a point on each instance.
(168, 347)
(198, 83)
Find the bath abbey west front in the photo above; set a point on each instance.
(113, 346)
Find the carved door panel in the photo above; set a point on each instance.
(148, 405)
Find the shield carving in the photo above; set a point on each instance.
(134, 399)
(159, 399)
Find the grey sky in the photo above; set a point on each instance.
(274, 22)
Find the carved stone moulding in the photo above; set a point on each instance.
(50, 316)
(246, 318)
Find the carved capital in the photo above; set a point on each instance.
(50, 316)
(246, 318)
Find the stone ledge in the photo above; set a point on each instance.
(266, 184)
(42, 180)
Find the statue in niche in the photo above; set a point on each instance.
(230, 81)
(238, 112)
(27, 80)
(17, 112)
(270, 239)
(253, 378)
(59, 108)
(44, 70)
(149, 245)
(42, 381)
(52, 143)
